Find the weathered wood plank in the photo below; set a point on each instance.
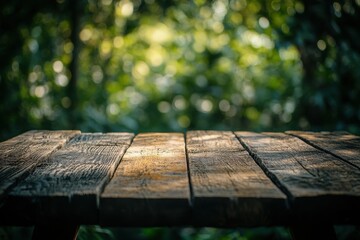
(340, 144)
(67, 186)
(320, 186)
(150, 187)
(20, 155)
(229, 188)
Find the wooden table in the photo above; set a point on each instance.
(61, 179)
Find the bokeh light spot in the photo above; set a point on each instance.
(164, 107)
(58, 66)
(321, 45)
(264, 22)
(85, 34)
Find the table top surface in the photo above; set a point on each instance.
(197, 178)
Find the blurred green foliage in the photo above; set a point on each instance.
(146, 65)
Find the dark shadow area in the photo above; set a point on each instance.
(343, 232)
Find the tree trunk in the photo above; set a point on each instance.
(74, 8)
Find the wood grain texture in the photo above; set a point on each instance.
(20, 155)
(229, 188)
(68, 185)
(150, 187)
(340, 144)
(320, 186)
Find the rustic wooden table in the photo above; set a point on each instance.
(61, 179)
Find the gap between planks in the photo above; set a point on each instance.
(70, 181)
(191, 200)
(35, 135)
(151, 180)
(321, 186)
(230, 189)
(268, 173)
(313, 144)
(112, 175)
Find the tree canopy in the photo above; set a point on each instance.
(146, 65)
